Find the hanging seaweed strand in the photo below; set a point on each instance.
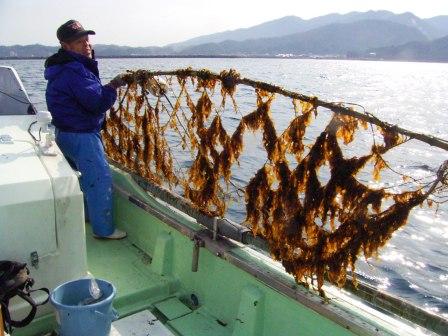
(315, 229)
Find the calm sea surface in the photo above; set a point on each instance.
(414, 264)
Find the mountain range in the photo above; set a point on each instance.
(372, 34)
(435, 51)
(331, 39)
(435, 27)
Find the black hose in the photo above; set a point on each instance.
(29, 131)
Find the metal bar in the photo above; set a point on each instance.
(198, 243)
(195, 258)
(224, 226)
(215, 228)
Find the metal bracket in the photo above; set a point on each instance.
(198, 243)
(215, 228)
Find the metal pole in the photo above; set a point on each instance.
(198, 243)
(215, 228)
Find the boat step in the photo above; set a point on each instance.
(143, 323)
(172, 308)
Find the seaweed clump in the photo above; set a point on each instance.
(315, 229)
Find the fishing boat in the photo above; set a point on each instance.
(181, 270)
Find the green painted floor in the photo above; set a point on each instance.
(138, 288)
(128, 268)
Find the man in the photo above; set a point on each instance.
(78, 102)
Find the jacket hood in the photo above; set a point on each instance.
(52, 72)
(61, 57)
(57, 62)
(54, 63)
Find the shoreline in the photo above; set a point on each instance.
(12, 58)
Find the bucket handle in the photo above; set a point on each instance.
(114, 316)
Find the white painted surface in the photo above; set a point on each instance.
(143, 323)
(26, 196)
(41, 209)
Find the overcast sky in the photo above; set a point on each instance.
(160, 22)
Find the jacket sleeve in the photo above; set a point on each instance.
(90, 94)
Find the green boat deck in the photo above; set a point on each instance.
(128, 268)
(140, 287)
(234, 291)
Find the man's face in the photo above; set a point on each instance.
(81, 46)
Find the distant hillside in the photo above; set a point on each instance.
(436, 50)
(334, 39)
(351, 35)
(122, 51)
(105, 50)
(280, 27)
(440, 23)
(407, 19)
(431, 28)
(33, 50)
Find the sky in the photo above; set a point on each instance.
(161, 22)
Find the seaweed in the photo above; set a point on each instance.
(317, 230)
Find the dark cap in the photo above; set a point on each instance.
(71, 30)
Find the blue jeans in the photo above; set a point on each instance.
(86, 152)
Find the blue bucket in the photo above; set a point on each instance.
(78, 318)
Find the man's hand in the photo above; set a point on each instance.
(117, 82)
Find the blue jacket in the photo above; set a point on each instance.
(75, 97)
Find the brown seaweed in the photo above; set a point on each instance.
(315, 229)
